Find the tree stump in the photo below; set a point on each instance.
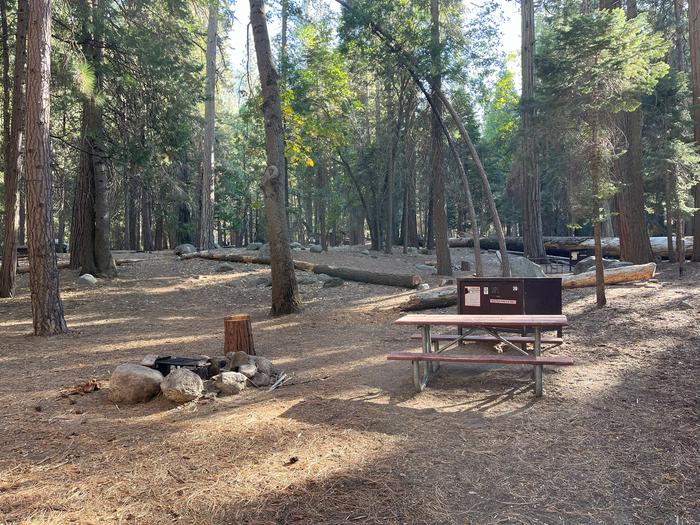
(238, 334)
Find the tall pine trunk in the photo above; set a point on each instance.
(442, 249)
(12, 155)
(47, 309)
(634, 238)
(90, 228)
(285, 295)
(206, 216)
(694, 41)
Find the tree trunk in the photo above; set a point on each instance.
(285, 295)
(442, 249)
(47, 309)
(90, 235)
(694, 41)
(12, 155)
(597, 220)
(531, 198)
(632, 230)
(206, 216)
(146, 220)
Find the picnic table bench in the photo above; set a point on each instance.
(496, 328)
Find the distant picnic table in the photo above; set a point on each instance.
(515, 331)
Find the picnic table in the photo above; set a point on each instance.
(498, 328)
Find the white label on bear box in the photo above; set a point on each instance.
(472, 296)
(504, 301)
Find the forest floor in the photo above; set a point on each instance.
(614, 439)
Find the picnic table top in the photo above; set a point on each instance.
(494, 321)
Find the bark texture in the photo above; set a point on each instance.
(206, 217)
(531, 194)
(16, 123)
(632, 230)
(442, 249)
(285, 295)
(694, 41)
(47, 309)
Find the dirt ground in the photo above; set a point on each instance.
(614, 439)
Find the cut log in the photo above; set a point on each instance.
(626, 274)
(349, 274)
(238, 334)
(435, 298)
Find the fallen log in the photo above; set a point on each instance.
(565, 245)
(349, 274)
(447, 295)
(436, 298)
(626, 274)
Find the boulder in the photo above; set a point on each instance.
(87, 280)
(296, 246)
(264, 250)
(225, 267)
(264, 365)
(184, 248)
(524, 267)
(236, 359)
(424, 286)
(588, 264)
(333, 282)
(229, 383)
(131, 384)
(254, 246)
(264, 280)
(322, 277)
(315, 248)
(364, 252)
(248, 369)
(305, 279)
(182, 385)
(425, 268)
(261, 379)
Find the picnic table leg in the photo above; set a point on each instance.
(421, 369)
(538, 368)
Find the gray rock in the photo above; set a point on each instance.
(149, 360)
(412, 249)
(229, 383)
(248, 369)
(87, 280)
(253, 246)
(322, 277)
(261, 379)
(225, 267)
(305, 279)
(264, 250)
(523, 267)
(588, 264)
(333, 282)
(182, 385)
(264, 365)
(237, 359)
(424, 251)
(295, 246)
(131, 384)
(184, 248)
(315, 248)
(364, 252)
(424, 286)
(265, 280)
(425, 268)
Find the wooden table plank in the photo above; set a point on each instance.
(492, 321)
